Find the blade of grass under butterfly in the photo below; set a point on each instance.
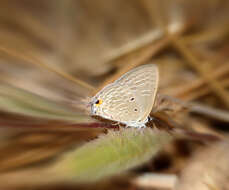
(108, 155)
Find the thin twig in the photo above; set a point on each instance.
(200, 82)
(207, 36)
(96, 126)
(159, 181)
(194, 63)
(219, 114)
(202, 91)
(215, 113)
(131, 46)
(35, 61)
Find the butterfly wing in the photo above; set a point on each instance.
(130, 98)
(142, 84)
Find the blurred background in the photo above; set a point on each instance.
(53, 54)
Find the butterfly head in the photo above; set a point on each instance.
(102, 104)
(96, 105)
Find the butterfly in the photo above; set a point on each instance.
(130, 99)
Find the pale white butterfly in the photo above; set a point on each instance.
(130, 99)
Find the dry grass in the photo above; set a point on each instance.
(68, 50)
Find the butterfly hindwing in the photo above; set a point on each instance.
(130, 98)
(142, 82)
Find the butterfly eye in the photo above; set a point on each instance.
(98, 102)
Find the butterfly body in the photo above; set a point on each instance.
(129, 99)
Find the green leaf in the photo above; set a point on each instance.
(106, 156)
(111, 154)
